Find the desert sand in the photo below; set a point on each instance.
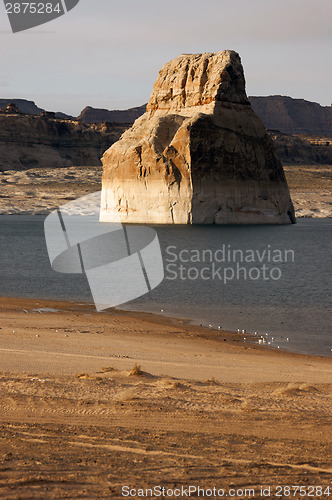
(92, 402)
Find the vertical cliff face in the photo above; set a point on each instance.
(39, 142)
(198, 155)
(293, 116)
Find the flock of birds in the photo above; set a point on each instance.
(261, 339)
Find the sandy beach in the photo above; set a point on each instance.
(92, 402)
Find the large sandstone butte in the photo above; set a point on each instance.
(199, 154)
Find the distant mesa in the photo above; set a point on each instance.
(282, 113)
(293, 116)
(278, 113)
(198, 155)
(33, 137)
(94, 115)
(23, 106)
(28, 141)
(26, 107)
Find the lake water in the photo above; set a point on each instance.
(269, 279)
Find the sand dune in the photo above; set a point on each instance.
(92, 402)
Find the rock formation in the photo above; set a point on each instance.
(40, 142)
(29, 108)
(277, 112)
(302, 149)
(293, 116)
(24, 106)
(95, 115)
(198, 155)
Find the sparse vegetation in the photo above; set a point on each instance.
(136, 371)
(108, 369)
(211, 381)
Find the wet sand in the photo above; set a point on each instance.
(91, 402)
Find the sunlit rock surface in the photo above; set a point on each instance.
(199, 154)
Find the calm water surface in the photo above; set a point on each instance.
(294, 301)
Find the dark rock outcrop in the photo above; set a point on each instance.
(94, 115)
(37, 141)
(24, 106)
(28, 108)
(293, 116)
(302, 149)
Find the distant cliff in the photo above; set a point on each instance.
(293, 116)
(282, 113)
(94, 115)
(23, 106)
(28, 141)
(288, 115)
(302, 149)
(28, 107)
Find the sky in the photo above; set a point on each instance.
(107, 53)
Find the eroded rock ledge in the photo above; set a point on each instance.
(198, 155)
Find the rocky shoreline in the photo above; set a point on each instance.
(47, 162)
(38, 191)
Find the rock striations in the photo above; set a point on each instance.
(28, 141)
(293, 116)
(199, 154)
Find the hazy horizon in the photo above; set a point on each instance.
(114, 109)
(108, 56)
